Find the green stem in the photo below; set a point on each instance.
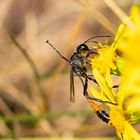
(12, 130)
(46, 115)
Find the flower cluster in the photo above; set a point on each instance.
(107, 62)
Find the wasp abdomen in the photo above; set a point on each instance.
(103, 116)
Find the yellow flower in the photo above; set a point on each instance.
(129, 43)
(127, 112)
(121, 114)
(104, 62)
(124, 129)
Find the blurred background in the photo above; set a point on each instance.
(34, 80)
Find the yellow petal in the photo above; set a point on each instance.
(135, 11)
(108, 92)
(124, 129)
(130, 133)
(109, 79)
(95, 93)
(132, 105)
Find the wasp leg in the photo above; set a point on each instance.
(92, 51)
(85, 85)
(92, 79)
(98, 100)
(85, 93)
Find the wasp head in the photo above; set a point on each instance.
(83, 49)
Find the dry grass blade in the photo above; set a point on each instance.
(22, 99)
(4, 108)
(31, 29)
(4, 9)
(19, 97)
(98, 15)
(84, 3)
(119, 12)
(103, 20)
(4, 130)
(47, 128)
(116, 9)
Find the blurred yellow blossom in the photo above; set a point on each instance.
(127, 112)
(129, 43)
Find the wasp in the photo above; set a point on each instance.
(78, 67)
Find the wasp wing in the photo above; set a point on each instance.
(72, 91)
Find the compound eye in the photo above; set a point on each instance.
(82, 47)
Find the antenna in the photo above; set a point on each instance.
(57, 51)
(97, 36)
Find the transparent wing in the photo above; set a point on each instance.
(72, 91)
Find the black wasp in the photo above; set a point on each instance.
(78, 67)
